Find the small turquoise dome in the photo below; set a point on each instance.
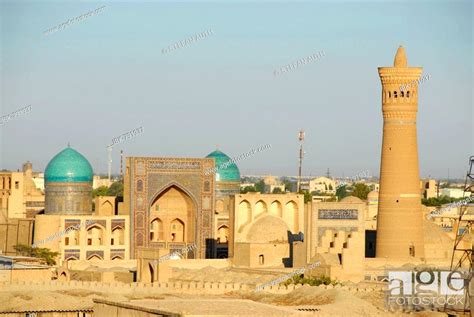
(68, 166)
(224, 172)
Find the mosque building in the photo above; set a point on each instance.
(69, 225)
(227, 180)
(68, 184)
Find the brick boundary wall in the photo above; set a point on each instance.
(182, 287)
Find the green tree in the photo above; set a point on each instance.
(48, 256)
(433, 201)
(341, 192)
(100, 191)
(116, 189)
(247, 189)
(260, 186)
(277, 190)
(361, 191)
(288, 185)
(307, 195)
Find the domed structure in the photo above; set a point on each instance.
(227, 181)
(226, 171)
(68, 166)
(373, 197)
(68, 184)
(351, 199)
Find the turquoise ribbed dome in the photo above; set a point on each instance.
(228, 172)
(68, 166)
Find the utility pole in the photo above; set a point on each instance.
(301, 139)
(109, 149)
(121, 165)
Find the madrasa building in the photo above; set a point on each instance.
(176, 203)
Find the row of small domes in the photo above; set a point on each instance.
(70, 166)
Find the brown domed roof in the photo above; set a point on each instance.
(373, 195)
(433, 234)
(351, 199)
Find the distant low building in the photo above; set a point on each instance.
(429, 188)
(271, 183)
(322, 185)
(452, 192)
(243, 185)
(23, 269)
(99, 182)
(19, 196)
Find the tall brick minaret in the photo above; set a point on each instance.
(399, 220)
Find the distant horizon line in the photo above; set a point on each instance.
(115, 176)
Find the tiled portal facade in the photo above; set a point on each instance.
(171, 203)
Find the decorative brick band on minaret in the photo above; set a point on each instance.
(399, 220)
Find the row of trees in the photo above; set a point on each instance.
(116, 189)
(359, 190)
(48, 256)
(442, 200)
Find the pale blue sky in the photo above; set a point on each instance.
(106, 75)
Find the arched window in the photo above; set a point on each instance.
(117, 236)
(156, 230)
(223, 234)
(394, 94)
(63, 276)
(389, 94)
(276, 209)
(260, 208)
(290, 215)
(402, 94)
(139, 185)
(177, 230)
(95, 257)
(408, 94)
(72, 237)
(95, 235)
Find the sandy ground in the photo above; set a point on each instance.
(333, 302)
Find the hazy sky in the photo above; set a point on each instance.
(106, 75)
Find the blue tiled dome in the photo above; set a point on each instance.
(68, 166)
(224, 173)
